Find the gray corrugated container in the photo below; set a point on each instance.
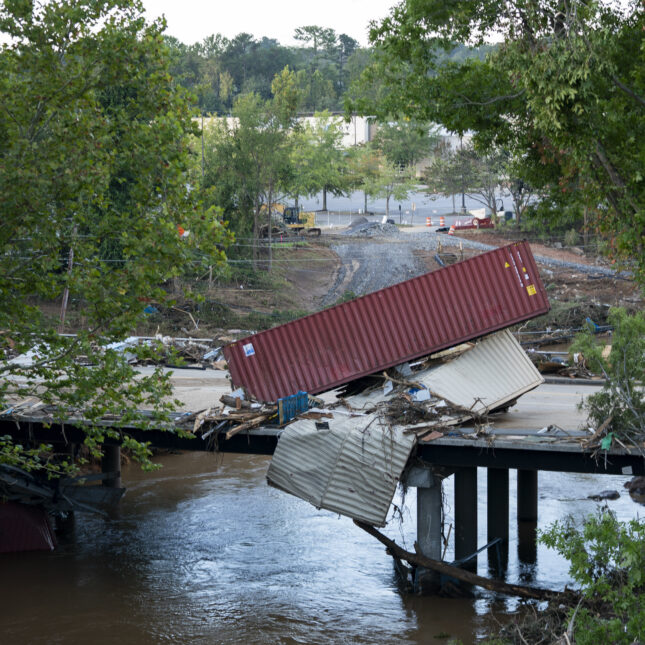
(352, 468)
(494, 372)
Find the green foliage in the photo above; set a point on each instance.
(406, 142)
(317, 161)
(346, 297)
(246, 158)
(93, 156)
(219, 69)
(364, 167)
(563, 95)
(571, 237)
(478, 176)
(607, 559)
(621, 399)
(392, 181)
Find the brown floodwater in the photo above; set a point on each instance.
(203, 551)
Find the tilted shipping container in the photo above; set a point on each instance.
(414, 318)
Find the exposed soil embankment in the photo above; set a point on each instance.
(308, 277)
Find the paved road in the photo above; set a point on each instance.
(549, 404)
(415, 209)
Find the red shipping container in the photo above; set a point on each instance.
(24, 528)
(414, 318)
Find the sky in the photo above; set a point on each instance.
(192, 20)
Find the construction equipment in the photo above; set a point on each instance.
(299, 222)
(291, 221)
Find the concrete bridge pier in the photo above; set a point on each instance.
(527, 515)
(111, 463)
(466, 516)
(428, 487)
(497, 518)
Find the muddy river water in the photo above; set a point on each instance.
(203, 551)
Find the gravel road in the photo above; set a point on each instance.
(372, 264)
(378, 262)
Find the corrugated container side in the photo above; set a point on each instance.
(428, 313)
(352, 468)
(491, 374)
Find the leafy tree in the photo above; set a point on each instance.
(361, 92)
(607, 559)
(321, 38)
(321, 161)
(391, 181)
(345, 48)
(247, 156)
(93, 155)
(565, 89)
(318, 90)
(465, 171)
(620, 406)
(364, 170)
(405, 142)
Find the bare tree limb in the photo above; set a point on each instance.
(461, 574)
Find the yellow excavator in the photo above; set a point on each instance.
(299, 222)
(291, 221)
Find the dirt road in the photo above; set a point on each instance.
(372, 263)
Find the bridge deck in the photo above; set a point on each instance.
(505, 448)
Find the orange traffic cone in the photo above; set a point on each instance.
(452, 230)
(442, 221)
(428, 221)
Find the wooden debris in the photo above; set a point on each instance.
(444, 568)
(200, 418)
(235, 402)
(251, 423)
(432, 436)
(591, 441)
(312, 415)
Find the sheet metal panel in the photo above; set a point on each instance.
(24, 528)
(352, 468)
(411, 319)
(494, 372)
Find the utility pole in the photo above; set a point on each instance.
(463, 196)
(202, 150)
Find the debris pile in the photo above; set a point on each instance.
(373, 229)
(562, 364)
(234, 415)
(351, 462)
(188, 353)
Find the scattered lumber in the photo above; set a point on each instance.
(251, 423)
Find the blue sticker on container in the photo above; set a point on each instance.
(248, 349)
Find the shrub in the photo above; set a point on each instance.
(621, 400)
(607, 559)
(571, 237)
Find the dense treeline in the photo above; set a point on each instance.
(219, 69)
(326, 64)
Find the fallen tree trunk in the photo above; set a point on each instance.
(460, 574)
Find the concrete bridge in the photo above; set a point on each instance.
(541, 433)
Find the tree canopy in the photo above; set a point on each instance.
(93, 156)
(563, 94)
(219, 69)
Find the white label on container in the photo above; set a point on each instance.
(248, 349)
